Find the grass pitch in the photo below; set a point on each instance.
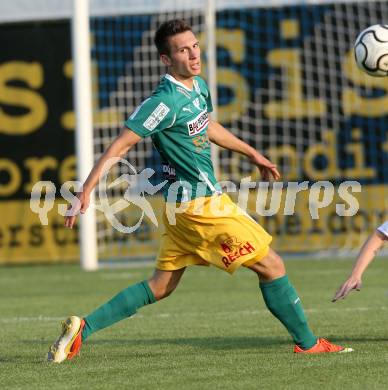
(213, 332)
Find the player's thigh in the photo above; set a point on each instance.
(269, 267)
(163, 283)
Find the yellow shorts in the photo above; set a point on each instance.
(211, 230)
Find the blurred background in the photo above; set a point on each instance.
(285, 79)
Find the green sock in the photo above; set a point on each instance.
(284, 303)
(123, 305)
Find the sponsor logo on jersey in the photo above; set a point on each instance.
(188, 109)
(156, 116)
(201, 142)
(234, 249)
(197, 104)
(169, 171)
(198, 124)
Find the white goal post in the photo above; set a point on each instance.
(84, 126)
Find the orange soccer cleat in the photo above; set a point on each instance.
(69, 342)
(323, 346)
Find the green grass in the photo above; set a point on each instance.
(212, 333)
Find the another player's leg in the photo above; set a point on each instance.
(284, 303)
(76, 330)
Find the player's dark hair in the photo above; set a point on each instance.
(167, 30)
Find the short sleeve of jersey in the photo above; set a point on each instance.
(384, 228)
(152, 116)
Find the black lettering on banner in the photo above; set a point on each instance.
(272, 225)
(14, 231)
(293, 225)
(36, 236)
(360, 222)
(75, 234)
(59, 233)
(336, 224)
(315, 227)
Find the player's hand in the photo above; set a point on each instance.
(352, 283)
(267, 169)
(79, 205)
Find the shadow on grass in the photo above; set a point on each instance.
(216, 343)
(213, 343)
(230, 343)
(199, 342)
(141, 346)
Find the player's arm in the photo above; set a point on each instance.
(120, 146)
(224, 138)
(365, 257)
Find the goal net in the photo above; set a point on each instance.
(126, 69)
(287, 84)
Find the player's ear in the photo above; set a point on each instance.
(165, 59)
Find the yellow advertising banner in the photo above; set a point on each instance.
(328, 230)
(24, 239)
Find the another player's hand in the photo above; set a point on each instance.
(79, 205)
(353, 283)
(267, 169)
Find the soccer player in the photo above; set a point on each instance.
(367, 253)
(176, 116)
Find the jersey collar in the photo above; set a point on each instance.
(175, 81)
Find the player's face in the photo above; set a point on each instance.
(184, 60)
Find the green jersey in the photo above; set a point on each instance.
(177, 119)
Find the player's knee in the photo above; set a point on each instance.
(161, 294)
(277, 263)
(163, 283)
(270, 267)
(160, 291)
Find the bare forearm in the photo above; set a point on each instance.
(119, 147)
(224, 138)
(367, 254)
(112, 154)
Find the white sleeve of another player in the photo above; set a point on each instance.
(384, 228)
